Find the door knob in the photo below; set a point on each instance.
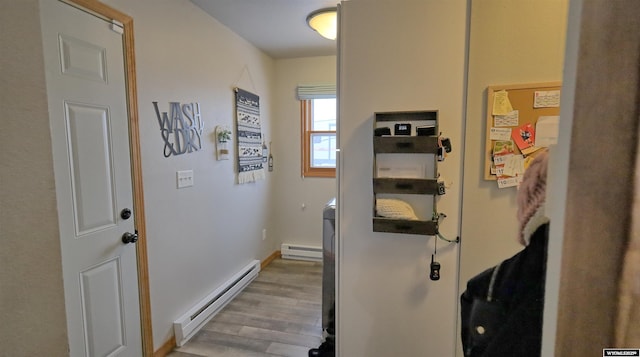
(129, 238)
(125, 213)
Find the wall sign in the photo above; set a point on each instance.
(181, 129)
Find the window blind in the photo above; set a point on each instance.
(316, 91)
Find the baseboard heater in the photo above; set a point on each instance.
(301, 252)
(192, 321)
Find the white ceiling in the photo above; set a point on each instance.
(277, 27)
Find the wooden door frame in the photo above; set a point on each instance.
(109, 13)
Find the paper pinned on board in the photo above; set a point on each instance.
(524, 136)
(546, 99)
(547, 131)
(501, 103)
(514, 166)
(501, 149)
(509, 181)
(510, 119)
(500, 134)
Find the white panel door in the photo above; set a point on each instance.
(90, 144)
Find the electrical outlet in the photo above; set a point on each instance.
(264, 233)
(184, 178)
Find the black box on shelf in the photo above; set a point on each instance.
(402, 129)
(382, 131)
(426, 130)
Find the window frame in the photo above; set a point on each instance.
(306, 115)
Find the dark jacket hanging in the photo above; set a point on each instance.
(504, 317)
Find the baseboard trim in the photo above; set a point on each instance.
(269, 259)
(166, 348)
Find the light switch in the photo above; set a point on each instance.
(185, 178)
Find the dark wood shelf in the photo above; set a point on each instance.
(405, 185)
(407, 116)
(390, 225)
(405, 144)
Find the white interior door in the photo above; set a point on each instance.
(89, 126)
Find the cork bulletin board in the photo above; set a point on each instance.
(531, 102)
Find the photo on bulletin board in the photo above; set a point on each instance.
(521, 120)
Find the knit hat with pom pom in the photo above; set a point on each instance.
(531, 198)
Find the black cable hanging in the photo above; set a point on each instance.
(437, 217)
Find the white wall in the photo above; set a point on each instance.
(31, 291)
(197, 237)
(558, 169)
(397, 55)
(291, 223)
(510, 42)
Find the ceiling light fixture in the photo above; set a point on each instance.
(324, 22)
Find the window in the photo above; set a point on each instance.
(318, 137)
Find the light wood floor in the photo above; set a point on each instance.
(278, 314)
